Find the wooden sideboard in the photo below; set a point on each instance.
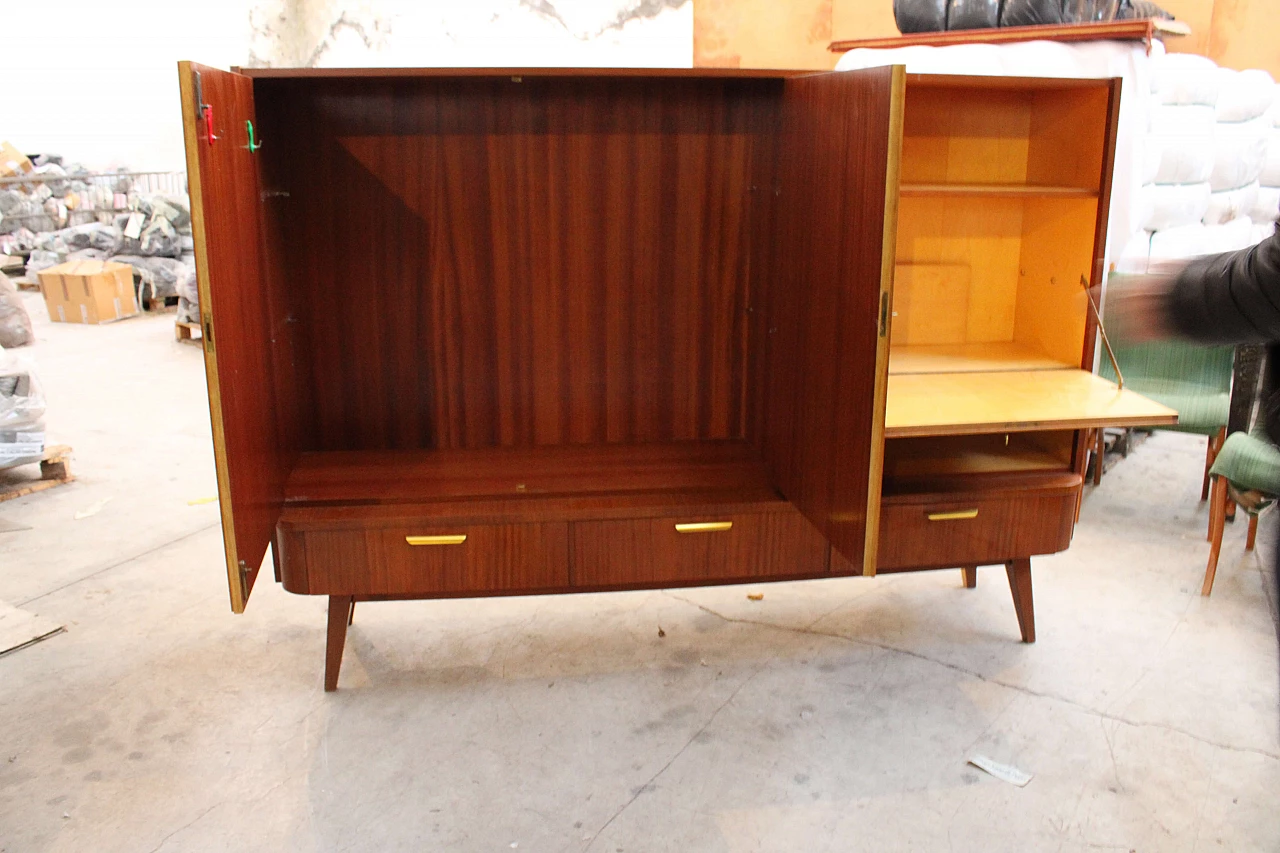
(500, 332)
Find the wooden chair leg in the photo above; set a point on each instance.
(1218, 498)
(1210, 454)
(970, 577)
(340, 610)
(351, 614)
(1099, 454)
(1020, 585)
(1253, 533)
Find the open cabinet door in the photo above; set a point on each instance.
(227, 225)
(828, 297)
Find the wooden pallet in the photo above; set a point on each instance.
(55, 469)
(188, 333)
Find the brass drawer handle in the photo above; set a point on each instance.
(703, 526)
(448, 539)
(958, 515)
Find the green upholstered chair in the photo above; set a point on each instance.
(1192, 380)
(1247, 462)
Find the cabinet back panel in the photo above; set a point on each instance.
(965, 136)
(1041, 137)
(960, 255)
(481, 262)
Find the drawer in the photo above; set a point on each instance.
(426, 559)
(696, 550)
(977, 521)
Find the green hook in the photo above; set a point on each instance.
(252, 146)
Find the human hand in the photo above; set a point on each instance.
(1137, 308)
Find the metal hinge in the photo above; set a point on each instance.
(206, 329)
(244, 576)
(884, 314)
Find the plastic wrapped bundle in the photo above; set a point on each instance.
(1239, 154)
(1184, 79)
(159, 276)
(1230, 236)
(1244, 95)
(1266, 207)
(1186, 241)
(1262, 232)
(1030, 13)
(87, 255)
(15, 324)
(42, 260)
(1230, 205)
(1270, 174)
(95, 235)
(1179, 120)
(1163, 207)
(920, 16)
(189, 297)
(167, 207)
(973, 14)
(21, 412)
(1180, 159)
(52, 170)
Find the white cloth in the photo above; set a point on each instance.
(1184, 78)
(1239, 153)
(1244, 95)
(1172, 206)
(1270, 174)
(1229, 205)
(1266, 207)
(1176, 158)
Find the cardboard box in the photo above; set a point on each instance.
(12, 161)
(89, 292)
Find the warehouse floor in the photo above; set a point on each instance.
(829, 716)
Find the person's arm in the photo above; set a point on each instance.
(1232, 298)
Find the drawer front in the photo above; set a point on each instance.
(948, 530)
(424, 560)
(696, 550)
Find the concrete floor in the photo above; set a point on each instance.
(830, 716)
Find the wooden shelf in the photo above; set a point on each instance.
(994, 191)
(1142, 29)
(970, 403)
(970, 358)
(409, 476)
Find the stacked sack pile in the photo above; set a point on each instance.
(1212, 181)
(22, 437)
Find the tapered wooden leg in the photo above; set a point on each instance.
(1020, 584)
(339, 613)
(970, 576)
(1099, 454)
(1218, 498)
(1210, 454)
(1253, 533)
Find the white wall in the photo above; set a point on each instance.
(96, 80)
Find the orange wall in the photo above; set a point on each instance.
(762, 33)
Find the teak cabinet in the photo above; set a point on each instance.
(498, 332)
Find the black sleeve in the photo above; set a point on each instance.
(1230, 299)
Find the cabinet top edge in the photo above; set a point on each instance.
(690, 73)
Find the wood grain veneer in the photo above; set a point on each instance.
(247, 347)
(559, 260)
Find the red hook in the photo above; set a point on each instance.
(206, 110)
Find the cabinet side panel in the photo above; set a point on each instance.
(832, 261)
(242, 350)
